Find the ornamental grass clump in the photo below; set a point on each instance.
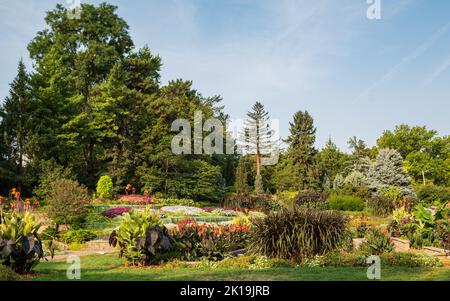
(297, 233)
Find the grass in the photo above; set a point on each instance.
(110, 267)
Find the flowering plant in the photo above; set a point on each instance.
(208, 240)
(111, 213)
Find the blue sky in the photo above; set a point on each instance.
(354, 75)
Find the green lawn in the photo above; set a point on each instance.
(110, 267)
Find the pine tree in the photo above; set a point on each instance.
(301, 151)
(256, 137)
(16, 114)
(388, 171)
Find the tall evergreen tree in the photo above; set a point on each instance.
(16, 123)
(301, 151)
(72, 57)
(257, 136)
(331, 161)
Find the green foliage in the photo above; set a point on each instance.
(427, 157)
(20, 245)
(380, 205)
(175, 202)
(342, 259)
(67, 201)
(311, 199)
(211, 242)
(301, 151)
(79, 236)
(6, 274)
(376, 243)
(105, 187)
(428, 194)
(141, 238)
(346, 203)
(50, 171)
(16, 124)
(388, 171)
(297, 234)
(287, 197)
(331, 161)
(241, 184)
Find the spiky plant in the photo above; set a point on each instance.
(297, 233)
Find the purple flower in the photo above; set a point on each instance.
(111, 213)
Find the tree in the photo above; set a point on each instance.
(160, 170)
(358, 147)
(331, 161)
(257, 137)
(72, 57)
(406, 139)
(301, 151)
(16, 123)
(67, 200)
(425, 169)
(242, 176)
(388, 171)
(427, 156)
(284, 178)
(105, 187)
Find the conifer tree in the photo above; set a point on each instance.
(257, 136)
(301, 151)
(16, 114)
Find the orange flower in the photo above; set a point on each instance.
(27, 202)
(17, 194)
(36, 203)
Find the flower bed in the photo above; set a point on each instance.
(111, 213)
(182, 210)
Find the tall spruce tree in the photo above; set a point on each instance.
(301, 151)
(16, 124)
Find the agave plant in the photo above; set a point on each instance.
(141, 237)
(20, 245)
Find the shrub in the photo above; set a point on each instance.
(344, 259)
(346, 203)
(79, 236)
(377, 242)
(67, 201)
(105, 187)
(142, 238)
(20, 245)
(310, 199)
(287, 197)
(175, 202)
(6, 274)
(297, 234)
(428, 194)
(380, 205)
